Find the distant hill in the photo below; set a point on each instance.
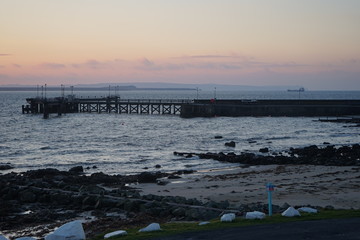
(150, 86)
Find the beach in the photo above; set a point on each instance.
(296, 185)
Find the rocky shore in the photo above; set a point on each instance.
(34, 202)
(312, 155)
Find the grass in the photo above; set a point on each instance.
(177, 228)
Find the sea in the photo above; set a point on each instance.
(133, 143)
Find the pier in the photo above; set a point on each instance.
(193, 108)
(61, 105)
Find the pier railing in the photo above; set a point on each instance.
(118, 105)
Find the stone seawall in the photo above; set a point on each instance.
(290, 108)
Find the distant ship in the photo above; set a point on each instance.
(297, 90)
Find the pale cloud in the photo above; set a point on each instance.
(2, 66)
(17, 65)
(4, 54)
(53, 65)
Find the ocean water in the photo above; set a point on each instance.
(128, 143)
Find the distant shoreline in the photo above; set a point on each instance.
(130, 88)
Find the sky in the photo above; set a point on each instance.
(309, 43)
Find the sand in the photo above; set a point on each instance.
(297, 185)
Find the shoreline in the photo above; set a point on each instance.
(35, 202)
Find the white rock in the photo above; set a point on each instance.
(116, 233)
(203, 223)
(228, 217)
(26, 238)
(307, 210)
(291, 212)
(255, 215)
(69, 231)
(2, 237)
(152, 227)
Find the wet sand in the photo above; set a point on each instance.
(296, 185)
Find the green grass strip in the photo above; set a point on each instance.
(179, 227)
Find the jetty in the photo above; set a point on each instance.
(187, 108)
(111, 104)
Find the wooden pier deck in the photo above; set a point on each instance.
(62, 105)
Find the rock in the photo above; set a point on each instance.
(150, 228)
(307, 210)
(329, 207)
(218, 137)
(285, 206)
(264, 150)
(157, 166)
(255, 215)
(291, 212)
(115, 234)
(69, 231)
(77, 169)
(147, 177)
(174, 177)
(162, 183)
(5, 167)
(230, 144)
(228, 217)
(27, 196)
(326, 143)
(203, 223)
(179, 212)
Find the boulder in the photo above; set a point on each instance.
(307, 210)
(150, 228)
(203, 223)
(255, 215)
(228, 217)
(264, 150)
(147, 177)
(77, 169)
(115, 234)
(69, 231)
(5, 166)
(291, 212)
(230, 144)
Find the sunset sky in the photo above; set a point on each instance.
(310, 43)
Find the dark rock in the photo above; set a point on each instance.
(77, 169)
(5, 167)
(179, 212)
(27, 196)
(147, 177)
(264, 150)
(218, 137)
(230, 144)
(161, 183)
(326, 143)
(174, 176)
(157, 166)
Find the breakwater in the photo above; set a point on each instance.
(276, 108)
